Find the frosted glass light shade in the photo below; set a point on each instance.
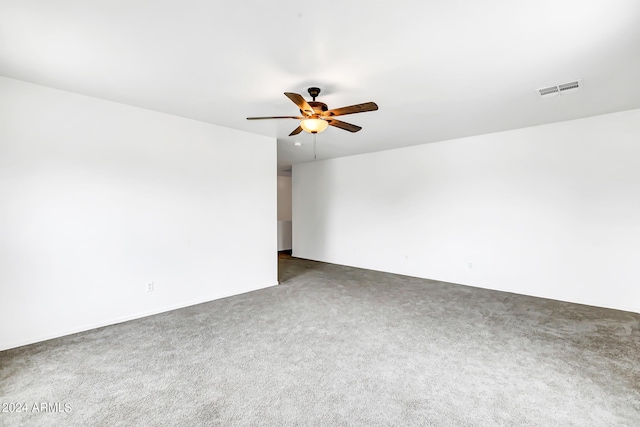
(314, 125)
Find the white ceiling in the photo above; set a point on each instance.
(438, 69)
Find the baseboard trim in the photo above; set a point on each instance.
(621, 307)
(122, 319)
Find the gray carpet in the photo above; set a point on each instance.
(339, 346)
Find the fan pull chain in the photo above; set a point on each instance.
(314, 146)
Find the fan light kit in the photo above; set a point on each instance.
(314, 125)
(316, 116)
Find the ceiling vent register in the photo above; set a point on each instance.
(560, 89)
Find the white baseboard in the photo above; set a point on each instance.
(114, 321)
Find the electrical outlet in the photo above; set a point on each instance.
(150, 287)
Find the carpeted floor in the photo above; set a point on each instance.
(339, 346)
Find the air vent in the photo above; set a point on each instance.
(548, 91)
(560, 89)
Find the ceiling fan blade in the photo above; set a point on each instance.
(296, 131)
(343, 125)
(351, 109)
(301, 103)
(276, 117)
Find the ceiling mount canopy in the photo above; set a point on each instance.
(316, 116)
(314, 92)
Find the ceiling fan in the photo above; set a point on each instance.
(316, 116)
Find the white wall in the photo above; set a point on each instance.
(284, 235)
(284, 213)
(284, 198)
(550, 211)
(99, 198)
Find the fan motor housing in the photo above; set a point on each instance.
(318, 107)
